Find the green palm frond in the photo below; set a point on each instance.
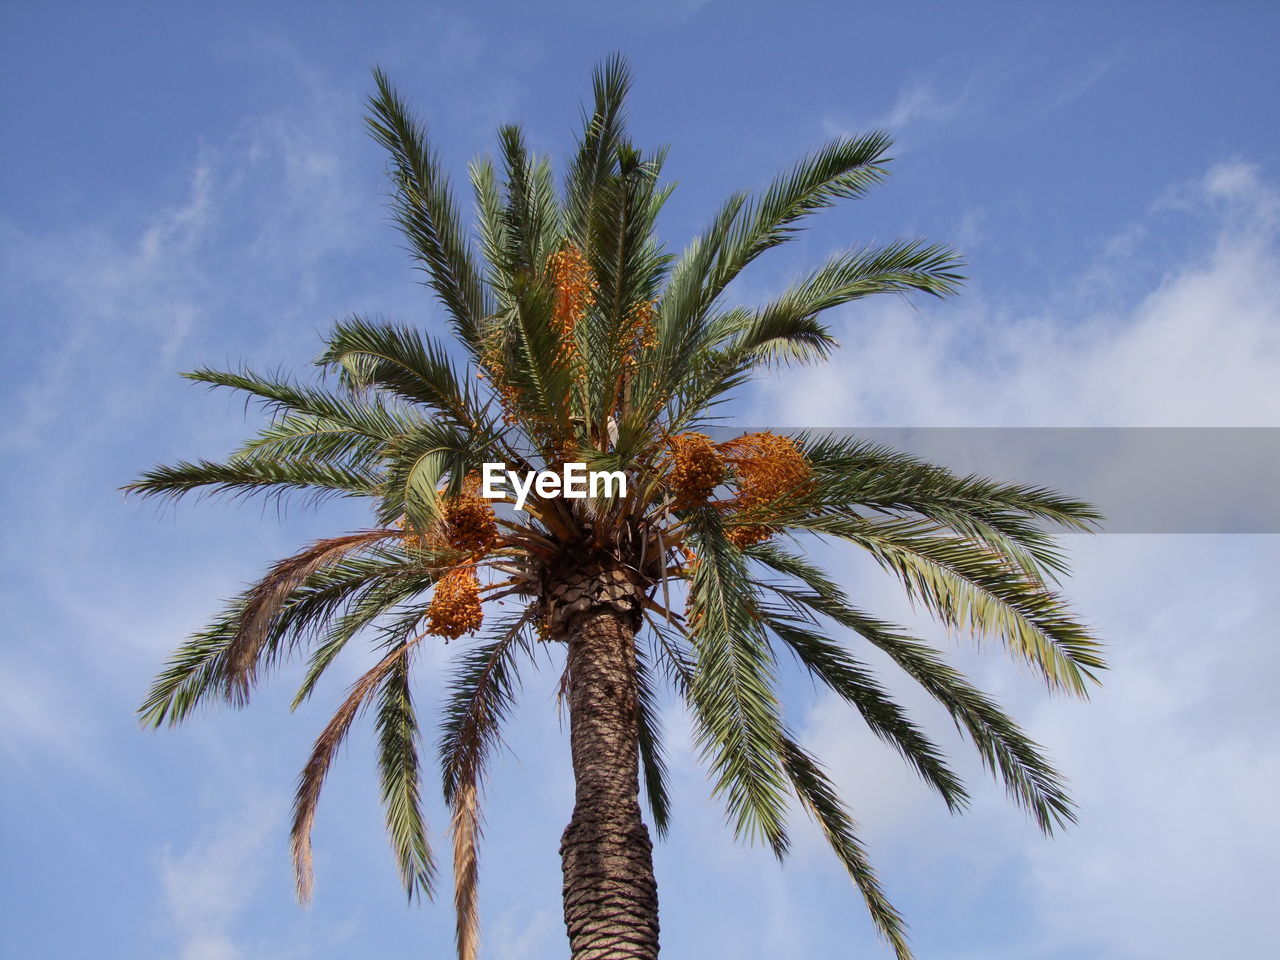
(491, 227)
(530, 217)
(843, 169)
(1017, 760)
(310, 439)
(653, 765)
(821, 800)
(425, 211)
(366, 599)
(481, 692)
(397, 729)
(786, 328)
(687, 299)
(1010, 519)
(265, 600)
(419, 461)
(970, 587)
(274, 478)
(733, 693)
(1007, 751)
(854, 683)
(859, 472)
(368, 417)
(404, 363)
(604, 131)
(193, 672)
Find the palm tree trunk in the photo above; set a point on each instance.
(610, 896)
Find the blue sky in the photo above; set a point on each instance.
(192, 185)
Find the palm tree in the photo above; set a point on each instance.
(576, 338)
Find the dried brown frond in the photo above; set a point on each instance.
(465, 825)
(322, 752)
(270, 593)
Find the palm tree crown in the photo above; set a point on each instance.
(577, 338)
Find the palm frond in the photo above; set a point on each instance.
(365, 602)
(264, 601)
(397, 729)
(604, 130)
(653, 766)
(481, 692)
(367, 417)
(425, 211)
(969, 586)
(193, 673)
(855, 475)
(843, 169)
(311, 439)
(275, 478)
(853, 682)
(820, 798)
(530, 217)
(326, 746)
(403, 362)
(786, 328)
(1029, 778)
(419, 461)
(733, 696)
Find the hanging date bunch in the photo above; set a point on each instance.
(697, 468)
(467, 524)
(469, 521)
(771, 475)
(455, 607)
(575, 293)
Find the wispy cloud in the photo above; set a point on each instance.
(1078, 83)
(1002, 83)
(208, 884)
(921, 102)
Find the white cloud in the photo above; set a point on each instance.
(1177, 761)
(1200, 348)
(209, 884)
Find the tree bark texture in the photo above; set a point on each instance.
(610, 896)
